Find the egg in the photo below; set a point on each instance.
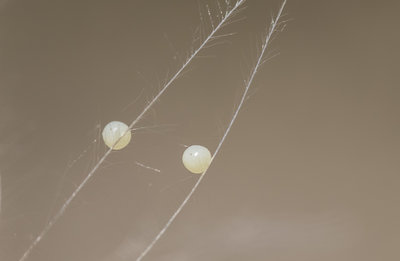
(116, 131)
(196, 159)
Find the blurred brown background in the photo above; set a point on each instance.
(310, 170)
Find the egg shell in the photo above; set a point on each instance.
(196, 158)
(114, 131)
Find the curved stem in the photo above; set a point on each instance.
(271, 30)
(61, 211)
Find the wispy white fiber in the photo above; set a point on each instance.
(230, 12)
(272, 28)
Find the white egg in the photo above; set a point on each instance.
(196, 159)
(113, 132)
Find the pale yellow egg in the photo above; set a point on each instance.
(196, 159)
(116, 131)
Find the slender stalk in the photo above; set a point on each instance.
(229, 13)
(267, 39)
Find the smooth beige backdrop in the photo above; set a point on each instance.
(309, 172)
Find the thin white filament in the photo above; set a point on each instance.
(271, 30)
(61, 211)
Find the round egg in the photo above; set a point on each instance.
(116, 131)
(196, 159)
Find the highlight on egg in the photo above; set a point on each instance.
(196, 159)
(116, 131)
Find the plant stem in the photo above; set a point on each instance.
(271, 30)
